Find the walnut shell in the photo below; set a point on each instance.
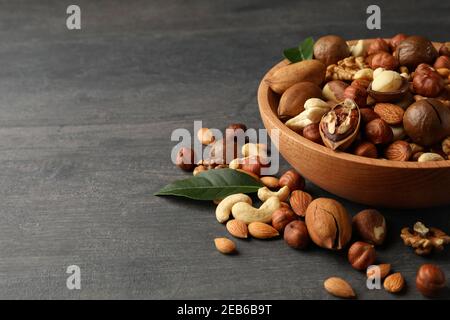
(329, 225)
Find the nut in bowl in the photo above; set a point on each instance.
(402, 182)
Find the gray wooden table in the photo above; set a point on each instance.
(85, 124)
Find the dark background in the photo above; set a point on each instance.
(85, 124)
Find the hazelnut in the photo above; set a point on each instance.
(427, 82)
(370, 225)
(293, 99)
(281, 217)
(223, 151)
(233, 131)
(366, 149)
(427, 122)
(357, 94)
(398, 151)
(312, 132)
(395, 40)
(367, 115)
(445, 49)
(387, 81)
(442, 62)
(296, 234)
(334, 90)
(361, 255)
(185, 159)
(430, 280)
(378, 132)
(378, 45)
(252, 164)
(361, 83)
(330, 49)
(329, 225)
(293, 180)
(415, 50)
(383, 60)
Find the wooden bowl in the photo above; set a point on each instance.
(372, 182)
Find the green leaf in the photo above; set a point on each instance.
(306, 48)
(292, 54)
(303, 52)
(212, 184)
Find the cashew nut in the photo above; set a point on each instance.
(254, 149)
(264, 193)
(235, 164)
(223, 209)
(248, 214)
(430, 156)
(315, 108)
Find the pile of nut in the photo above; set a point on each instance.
(288, 211)
(386, 99)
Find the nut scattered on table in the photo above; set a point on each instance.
(361, 255)
(394, 283)
(370, 225)
(381, 270)
(296, 234)
(225, 245)
(329, 224)
(430, 280)
(339, 288)
(424, 240)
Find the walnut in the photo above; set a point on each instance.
(345, 69)
(424, 240)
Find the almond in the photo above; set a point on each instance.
(300, 201)
(225, 245)
(261, 230)
(237, 228)
(398, 151)
(384, 268)
(394, 283)
(339, 287)
(389, 112)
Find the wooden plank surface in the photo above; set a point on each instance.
(85, 125)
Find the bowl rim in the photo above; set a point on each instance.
(266, 111)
